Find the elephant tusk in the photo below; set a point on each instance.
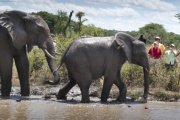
(57, 53)
(48, 54)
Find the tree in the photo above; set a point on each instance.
(150, 31)
(133, 33)
(173, 38)
(68, 23)
(61, 20)
(178, 15)
(91, 30)
(79, 15)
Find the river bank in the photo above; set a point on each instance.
(134, 94)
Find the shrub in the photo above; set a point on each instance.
(132, 75)
(160, 77)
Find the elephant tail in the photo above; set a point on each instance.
(63, 58)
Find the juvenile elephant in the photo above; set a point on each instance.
(88, 59)
(19, 32)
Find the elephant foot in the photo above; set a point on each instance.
(50, 82)
(122, 100)
(25, 98)
(5, 96)
(142, 100)
(61, 97)
(85, 101)
(25, 94)
(104, 100)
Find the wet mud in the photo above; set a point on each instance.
(42, 104)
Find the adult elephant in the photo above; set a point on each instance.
(88, 59)
(19, 32)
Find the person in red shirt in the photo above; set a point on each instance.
(155, 53)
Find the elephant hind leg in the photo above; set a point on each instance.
(63, 92)
(106, 88)
(84, 83)
(85, 94)
(122, 90)
(6, 76)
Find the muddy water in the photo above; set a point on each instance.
(51, 109)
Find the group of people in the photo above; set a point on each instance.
(157, 50)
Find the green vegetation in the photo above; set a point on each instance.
(160, 78)
(150, 31)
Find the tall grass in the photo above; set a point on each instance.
(160, 77)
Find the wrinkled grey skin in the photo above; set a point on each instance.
(88, 59)
(19, 32)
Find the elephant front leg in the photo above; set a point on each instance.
(22, 65)
(85, 95)
(6, 76)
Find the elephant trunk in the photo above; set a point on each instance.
(50, 53)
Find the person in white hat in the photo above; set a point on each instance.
(170, 55)
(161, 46)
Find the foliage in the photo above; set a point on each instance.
(162, 95)
(150, 31)
(63, 42)
(36, 58)
(39, 70)
(61, 21)
(58, 23)
(134, 33)
(173, 38)
(132, 75)
(91, 30)
(110, 32)
(160, 77)
(80, 22)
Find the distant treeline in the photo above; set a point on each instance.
(61, 23)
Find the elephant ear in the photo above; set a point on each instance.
(124, 41)
(11, 20)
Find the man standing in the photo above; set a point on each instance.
(155, 53)
(161, 46)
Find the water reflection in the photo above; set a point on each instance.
(52, 109)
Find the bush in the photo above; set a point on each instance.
(132, 75)
(36, 59)
(162, 95)
(160, 77)
(39, 70)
